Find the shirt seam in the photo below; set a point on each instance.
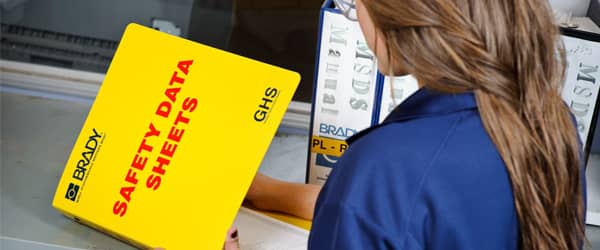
(417, 116)
(400, 119)
(380, 230)
(431, 164)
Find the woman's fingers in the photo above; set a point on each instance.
(232, 241)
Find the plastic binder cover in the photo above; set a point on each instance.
(345, 92)
(349, 93)
(172, 141)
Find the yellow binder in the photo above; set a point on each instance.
(172, 141)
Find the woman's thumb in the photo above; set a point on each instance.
(232, 241)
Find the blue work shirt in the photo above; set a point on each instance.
(428, 177)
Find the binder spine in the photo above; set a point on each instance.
(378, 96)
(101, 229)
(314, 94)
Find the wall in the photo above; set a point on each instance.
(578, 7)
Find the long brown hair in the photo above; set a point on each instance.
(509, 53)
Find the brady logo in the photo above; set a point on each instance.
(328, 129)
(266, 104)
(72, 192)
(87, 155)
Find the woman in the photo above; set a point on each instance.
(484, 156)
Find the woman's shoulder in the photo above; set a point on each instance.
(412, 150)
(442, 168)
(418, 142)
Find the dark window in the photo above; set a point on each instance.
(83, 34)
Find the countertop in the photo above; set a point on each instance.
(37, 133)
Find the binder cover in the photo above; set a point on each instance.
(172, 141)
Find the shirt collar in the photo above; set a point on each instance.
(425, 103)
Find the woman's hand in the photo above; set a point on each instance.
(261, 192)
(297, 199)
(232, 241)
(267, 193)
